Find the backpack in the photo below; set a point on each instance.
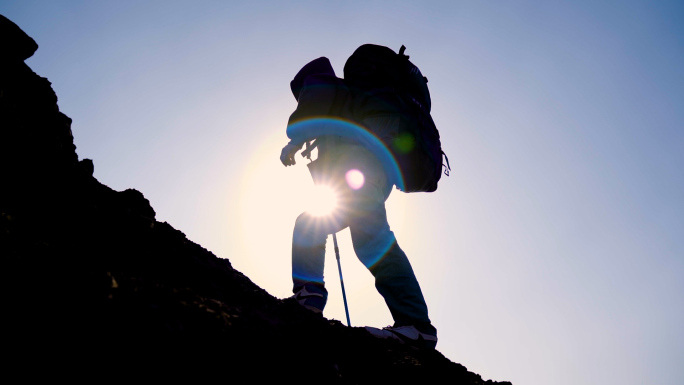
(385, 83)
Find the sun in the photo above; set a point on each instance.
(322, 201)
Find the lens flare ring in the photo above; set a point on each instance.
(310, 129)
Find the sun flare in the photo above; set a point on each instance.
(355, 179)
(323, 201)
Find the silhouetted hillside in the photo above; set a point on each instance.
(95, 285)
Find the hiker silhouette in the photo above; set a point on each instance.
(362, 182)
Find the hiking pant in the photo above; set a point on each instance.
(363, 211)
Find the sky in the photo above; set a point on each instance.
(552, 254)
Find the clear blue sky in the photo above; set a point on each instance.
(554, 254)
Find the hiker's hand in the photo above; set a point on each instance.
(287, 156)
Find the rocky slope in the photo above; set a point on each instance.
(96, 286)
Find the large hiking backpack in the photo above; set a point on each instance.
(387, 84)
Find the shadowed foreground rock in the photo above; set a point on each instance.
(96, 286)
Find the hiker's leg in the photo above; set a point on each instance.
(378, 250)
(308, 252)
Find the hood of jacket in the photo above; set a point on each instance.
(318, 66)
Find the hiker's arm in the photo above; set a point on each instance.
(287, 155)
(315, 100)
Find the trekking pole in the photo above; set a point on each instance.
(339, 267)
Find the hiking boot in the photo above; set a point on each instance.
(405, 334)
(310, 300)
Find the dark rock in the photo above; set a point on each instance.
(136, 203)
(15, 43)
(86, 167)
